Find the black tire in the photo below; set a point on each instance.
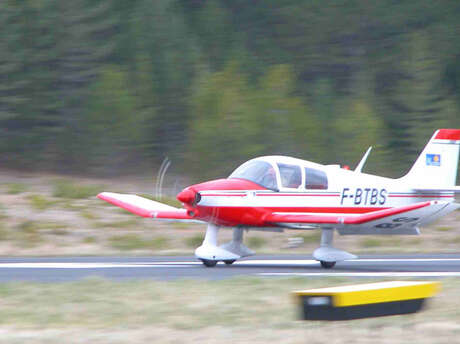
(327, 265)
(230, 261)
(209, 263)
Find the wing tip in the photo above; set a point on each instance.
(104, 195)
(111, 198)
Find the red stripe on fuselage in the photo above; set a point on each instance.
(322, 210)
(254, 216)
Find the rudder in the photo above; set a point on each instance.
(437, 164)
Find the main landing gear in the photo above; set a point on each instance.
(209, 253)
(328, 255)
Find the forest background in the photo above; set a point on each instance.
(113, 87)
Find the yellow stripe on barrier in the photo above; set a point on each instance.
(363, 294)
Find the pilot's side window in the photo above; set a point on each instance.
(315, 179)
(291, 176)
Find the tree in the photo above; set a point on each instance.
(222, 128)
(112, 123)
(285, 125)
(234, 121)
(85, 44)
(160, 34)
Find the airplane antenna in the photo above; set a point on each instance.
(363, 160)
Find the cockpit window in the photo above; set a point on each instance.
(315, 179)
(259, 172)
(291, 176)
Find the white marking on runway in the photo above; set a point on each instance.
(376, 260)
(364, 274)
(363, 260)
(187, 264)
(278, 262)
(85, 265)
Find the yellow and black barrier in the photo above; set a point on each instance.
(365, 300)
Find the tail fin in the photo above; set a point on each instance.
(437, 165)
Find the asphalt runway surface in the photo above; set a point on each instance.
(60, 269)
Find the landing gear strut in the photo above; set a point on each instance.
(209, 253)
(328, 255)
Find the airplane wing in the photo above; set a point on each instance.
(398, 220)
(145, 207)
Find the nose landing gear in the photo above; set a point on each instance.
(209, 253)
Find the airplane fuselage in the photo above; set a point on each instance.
(241, 202)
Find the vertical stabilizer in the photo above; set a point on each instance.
(438, 163)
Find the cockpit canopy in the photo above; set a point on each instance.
(281, 175)
(259, 172)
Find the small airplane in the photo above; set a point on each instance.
(273, 193)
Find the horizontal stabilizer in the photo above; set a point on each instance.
(145, 207)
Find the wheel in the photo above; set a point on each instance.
(327, 265)
(230, 261)
(209, 263)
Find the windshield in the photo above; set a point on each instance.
(259, 172)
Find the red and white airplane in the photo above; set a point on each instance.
(273, 193)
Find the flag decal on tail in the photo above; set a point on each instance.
(433, 159)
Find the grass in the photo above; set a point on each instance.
(454, 240)
(32, 227)
(132, 223)
(312, 237)
(68, 204)
(444, 228)
(241, 310)
(386, 241)
(129, 242)
(90, 240)
(88, 215)
(67, 189)
(15, 188)
(256, 242)
(194, 241)
(415, 241)
(3, 215)
(28, 227)
(3, 232)
(371, 242)
(40, 202)
(27, 234)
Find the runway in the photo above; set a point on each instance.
(59, 269)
